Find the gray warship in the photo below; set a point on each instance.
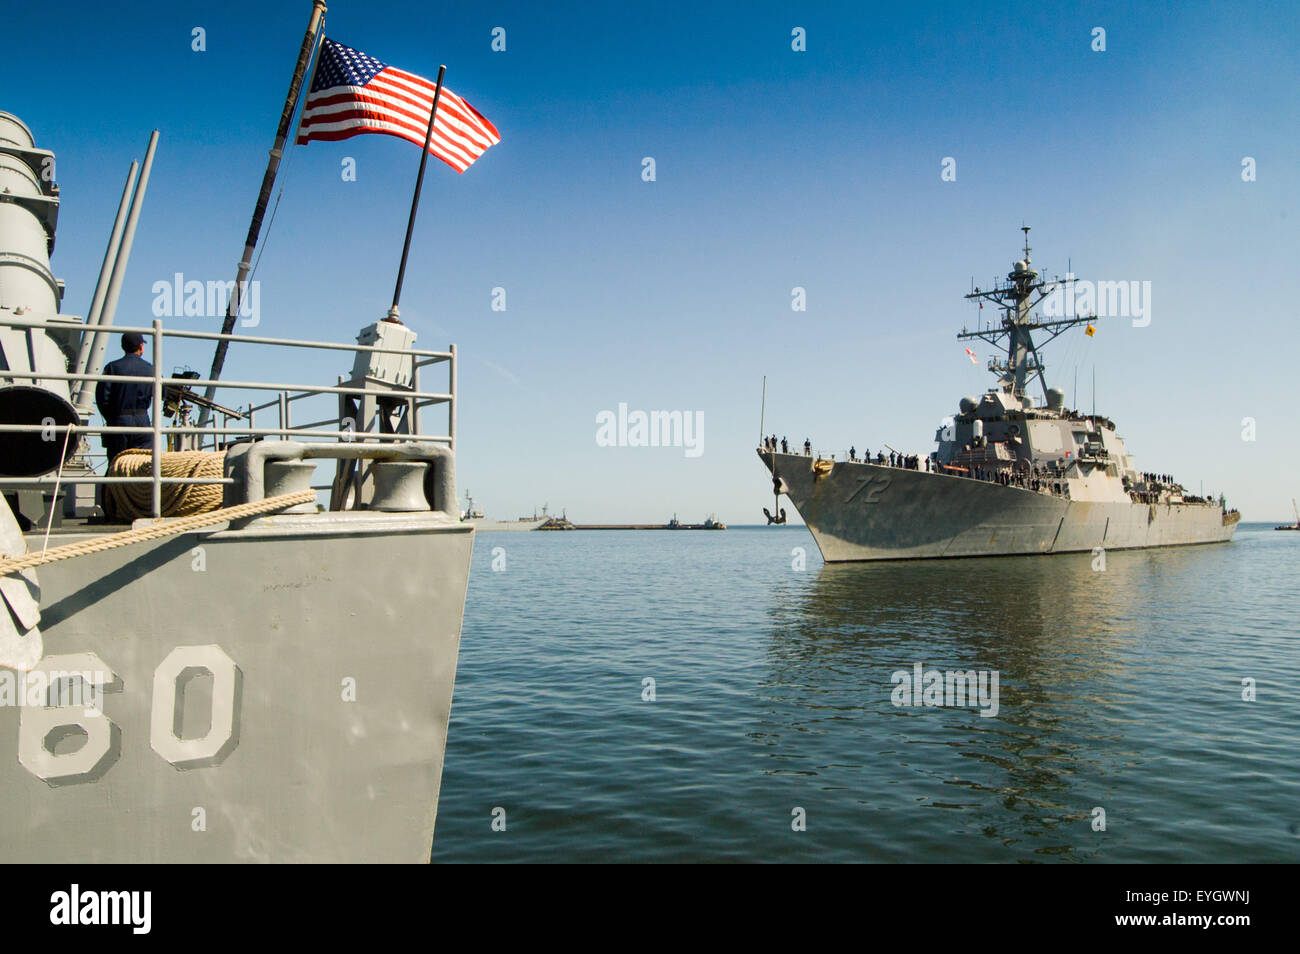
(225, 670)
(474, 516)
(1010, 476)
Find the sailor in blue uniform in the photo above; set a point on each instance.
(126, 404)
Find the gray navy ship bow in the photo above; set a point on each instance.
(215, 668)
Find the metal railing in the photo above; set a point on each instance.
(217, 436)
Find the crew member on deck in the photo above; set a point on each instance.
(126, 404)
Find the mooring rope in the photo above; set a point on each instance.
(178, 500)
(159, 530)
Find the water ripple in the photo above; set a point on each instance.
(1119, 690)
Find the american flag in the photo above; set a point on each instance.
(353, 94)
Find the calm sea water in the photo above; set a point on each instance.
(1119, 689)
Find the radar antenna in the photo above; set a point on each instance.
(1016, 298)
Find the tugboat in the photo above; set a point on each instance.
(710, 523)
(1011, 475)
(557, 523)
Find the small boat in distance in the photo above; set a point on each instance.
(561, 522)
(1291, 526)
(710, 523)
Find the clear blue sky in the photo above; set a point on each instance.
(775, 169)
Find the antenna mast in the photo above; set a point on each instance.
(1016, 298)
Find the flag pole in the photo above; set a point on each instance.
(263, 197)
(415, 199)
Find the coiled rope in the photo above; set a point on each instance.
(178, 500)
(126, 538)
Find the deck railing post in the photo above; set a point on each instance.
(414, 427)
(157, 417)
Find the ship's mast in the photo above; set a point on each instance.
(1016, 299)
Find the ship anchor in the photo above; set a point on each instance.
(777, 488)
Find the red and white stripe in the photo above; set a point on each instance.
(397, 103)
